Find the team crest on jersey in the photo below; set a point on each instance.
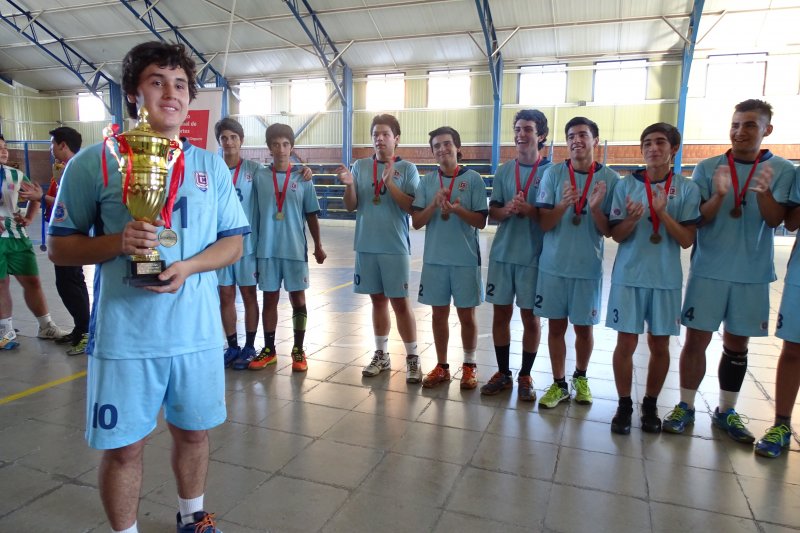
(462, 186)
(248, 177)
(60, 212)
(673, 192)
(293, 186)
(201, 180)
(397, 174)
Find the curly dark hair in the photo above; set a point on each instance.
(162, 54)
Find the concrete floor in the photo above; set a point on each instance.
(333, 451)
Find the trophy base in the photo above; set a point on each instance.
(145, 274)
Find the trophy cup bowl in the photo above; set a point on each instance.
(146, 154)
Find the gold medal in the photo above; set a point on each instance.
(167, 238)
(576, 220)
(655, 238)
(376, 200)
(736, 212)
(279, 216)
(445, 216)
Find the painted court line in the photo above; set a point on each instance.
(39, 388)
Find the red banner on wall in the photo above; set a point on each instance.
(195, 128)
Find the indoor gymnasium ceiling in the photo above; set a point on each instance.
(261, 39)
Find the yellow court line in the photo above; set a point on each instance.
(336, 288)
(39, 388)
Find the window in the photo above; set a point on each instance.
(90, 108)
(736, 76)
(255, 98)
(386, 92)
(309, 96)
(620, 81)
(543, 85)
(448, 89)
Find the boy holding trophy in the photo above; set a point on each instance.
(154, 341)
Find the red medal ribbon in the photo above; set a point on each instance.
(450, 191)
(375, 183)
(280, 196)
(236, 172)
(174, 184)
(653, 216)
(530, 177)
(582, 202)
(738, 197)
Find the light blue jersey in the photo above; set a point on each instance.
(452, 242)
(567, 250)
(286, 238)
(243, 186)
(132, 323)
(793, 268)
(738, 249)
(639, 262)
(382, 228)
(518, 240)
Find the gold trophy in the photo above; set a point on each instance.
(145, 158)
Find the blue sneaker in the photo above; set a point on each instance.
(774, 441)
(247, 354)
(677, 419)
(731, 422)
(203, 523)
(231, 354)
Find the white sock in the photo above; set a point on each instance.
(469, 357)
(188, 507)
(132, 529)
(5, 325)
(688, 396)
(382, 343)
(411, 349)
(44, 320)
(727, 400)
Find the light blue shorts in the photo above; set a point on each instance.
(243, 273)
(630, 307)
(742, 307)
(124, 396)
(506, 280)
(788, 326)
(293, 274)
(576, 299)
(385, 274)
(439, 282)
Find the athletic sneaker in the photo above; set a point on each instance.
(299, 363)
(413, 370)
(79, 347)
(774, 441)
(264, 359)
(245, 356)
(731, 422)
(500, 381)
(621, 423)
(70, 338)
(51, 331)
(203, 523)
(554, 396)
(582, 393)
(380, 361)
(8, 340)
(678, 419)
(651, 423)
(436, 376)
(232, 353)
(469, 376)
(525, 391)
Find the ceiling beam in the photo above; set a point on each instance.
(91, 77)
